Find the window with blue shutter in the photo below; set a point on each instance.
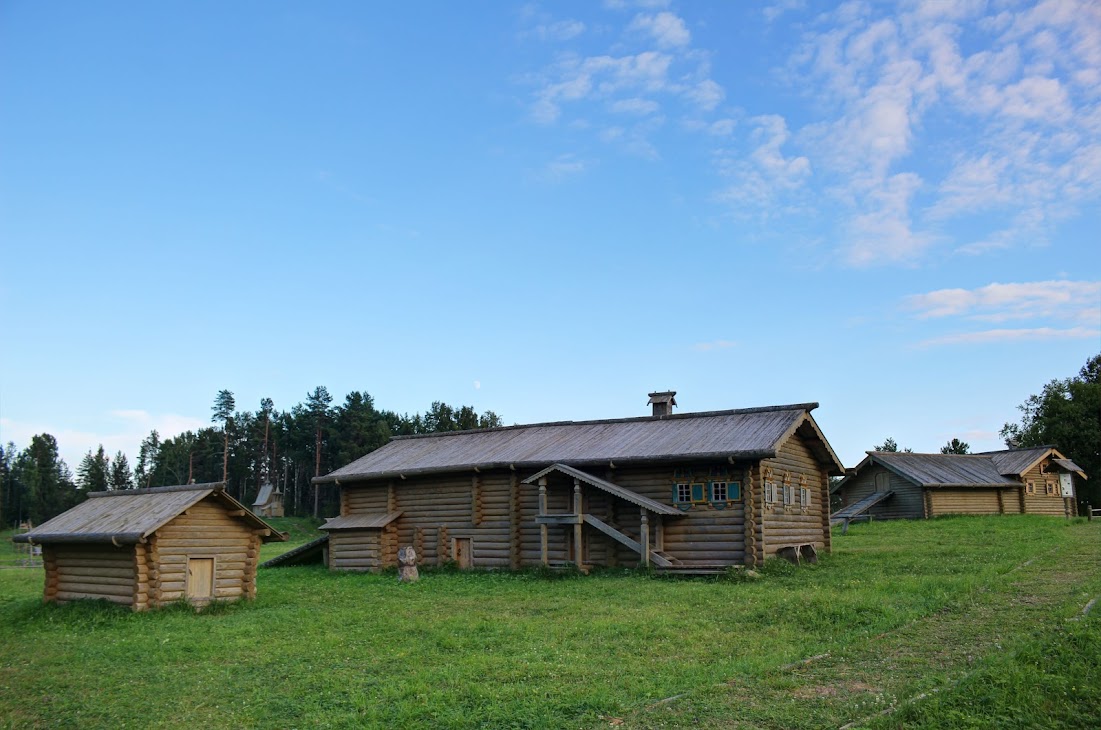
(733, 491)
(697, 493)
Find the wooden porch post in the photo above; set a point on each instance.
(543, 528)
(577, 558)
(644, 538)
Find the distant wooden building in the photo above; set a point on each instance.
(269, 502)
(148, 547)
(889, 485)
(695, 491)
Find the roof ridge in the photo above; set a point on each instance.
(634, 419)
(1019, 448)
(215, 486)
(927, 453)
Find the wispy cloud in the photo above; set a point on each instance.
(667, 29)
(1060, 299)
(650, 67)
(714, 345)
(1021, 96)
(563, 167)
(127, 428)
(1012, 335)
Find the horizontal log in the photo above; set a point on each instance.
(106, 589)
(111, 572)
(66, 596)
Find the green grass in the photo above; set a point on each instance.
(952, 623)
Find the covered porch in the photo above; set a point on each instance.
(651, 515)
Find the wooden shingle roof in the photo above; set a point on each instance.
(988, 469)
(128, 516)
(750, 433)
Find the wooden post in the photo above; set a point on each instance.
(514, 529)
(644, 537)
(1001, 501)
(543, 528)
(577, 557)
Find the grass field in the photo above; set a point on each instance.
(958, 622)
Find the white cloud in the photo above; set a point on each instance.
(1013, 335)
(1060, 299)
(124, 432)
(562, 30)
(666, 28)
(477, 385)
(764, 174)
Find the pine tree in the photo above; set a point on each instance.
(223, 409)
(147, 459)
(93, 472)
(120, 477)
(955, 446)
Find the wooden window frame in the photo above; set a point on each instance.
(1030, 487)
(714, 486)
(1050, 488)
(682, 493)
(804, 497)
(770, 492)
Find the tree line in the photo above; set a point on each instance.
(243, 448)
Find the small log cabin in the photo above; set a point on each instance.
(147, 547)
(269, 502)
(693, 491)
(892, 485)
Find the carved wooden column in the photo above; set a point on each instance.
(577, 557)
(543, 528)
(644, 538)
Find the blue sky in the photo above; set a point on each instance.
(547, 210)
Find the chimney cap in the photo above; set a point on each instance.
(664, 396)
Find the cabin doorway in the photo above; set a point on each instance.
(200, 579)
(882, 482)
(463, 552)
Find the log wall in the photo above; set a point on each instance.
(1042, 503)
(355, 549)
(968, 501)
(75, 572)
(205, 530)
(907, 502)
(796, 523)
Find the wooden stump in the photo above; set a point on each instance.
(407, 565)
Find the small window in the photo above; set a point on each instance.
(770, 492)
(1049, 488)
(719, 492)
(1030, 487)
(789, 494)
(804, 496)
(682, 493)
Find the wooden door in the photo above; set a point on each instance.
(200, 578)
(464, 557)
(882, 482)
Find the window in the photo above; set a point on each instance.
(688, 493)
(804, 497)
(770, 492)
(1030, 487)
(719, 492)
(789, 494)
(1049, 488)
(683, 493)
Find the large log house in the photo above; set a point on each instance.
(691, 491)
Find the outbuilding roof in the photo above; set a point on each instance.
(749, 433)
(989, 469)
(131, 515)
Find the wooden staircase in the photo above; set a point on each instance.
(856, 509)
(657, 557)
